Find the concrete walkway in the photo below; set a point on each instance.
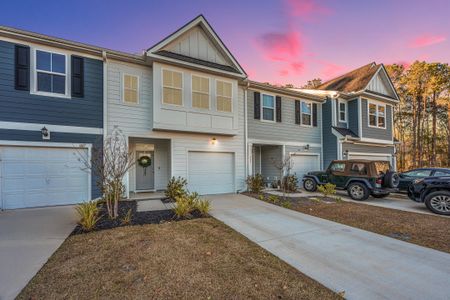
(28, 237)
(363, 264)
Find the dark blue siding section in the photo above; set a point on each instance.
(57, 137)
(353, 115)
(21, 106)
(329, 139)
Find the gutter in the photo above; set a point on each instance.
(246, 153)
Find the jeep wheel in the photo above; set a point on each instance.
(310, 185)
(358, 191)
(380, 195)
(438, 202)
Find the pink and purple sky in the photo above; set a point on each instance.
(278, 41)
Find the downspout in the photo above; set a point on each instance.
(105, 95)
(246, 131)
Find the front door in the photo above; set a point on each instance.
(145, 170)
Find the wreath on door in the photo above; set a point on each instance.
(145, 161)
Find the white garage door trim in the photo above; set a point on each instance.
(206, 151)
(86, 146)
(388, 155)
(319, 162)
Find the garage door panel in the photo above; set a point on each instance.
(211, 172)
(386, 157)
(42, 176)
(302, 164)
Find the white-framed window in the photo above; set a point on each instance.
(224, 99)
(268, 107)
(306, 113)
(172, 82)
(50, 73)
(200, 92)
(377, 115)
(130, 89)
(342, 111)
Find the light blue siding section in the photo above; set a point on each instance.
(353, 115)
(376, 133)
(329, 139)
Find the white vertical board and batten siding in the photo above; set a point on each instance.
(196, 44)
(380, 85)
(136, 121)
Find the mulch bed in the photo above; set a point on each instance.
(137, 218)
(421, 229)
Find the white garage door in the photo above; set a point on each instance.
(302, 164)
(39, 176)
(211, 172)
(386, 157)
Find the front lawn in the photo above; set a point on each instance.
(424, 230)
(194, 259)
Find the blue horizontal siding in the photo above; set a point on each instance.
(57, 137)
(21, 106)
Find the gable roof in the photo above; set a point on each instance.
(227, 63)
(352, 81)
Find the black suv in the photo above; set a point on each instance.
(434, 192)
(361, 178)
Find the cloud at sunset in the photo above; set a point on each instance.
(331, 70)
(306, 8)
(278, 46)
(427, 40)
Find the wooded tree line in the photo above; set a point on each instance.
(421, 119)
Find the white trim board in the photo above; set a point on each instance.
(51, 128)
(281, 143)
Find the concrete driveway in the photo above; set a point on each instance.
(28, 237)
(363, 264)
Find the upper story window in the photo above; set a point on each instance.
(51, 72)
(377, 115)
(223, 94)
(172, 87)
(130, 89)
(342, 111)
(200, 92)
(306, 113)
(268, 107)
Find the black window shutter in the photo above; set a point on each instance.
(297, 111)
(278, 108)
(22, 67)
(77, 64)
(257, 105)
(314, 116)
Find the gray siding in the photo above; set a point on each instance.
(376, 133)
(287, 130)
(339, 124)
(57, 137)
(329, 139)
(269, 155)
(21, 106)
(353, 115)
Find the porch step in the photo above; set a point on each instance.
(152, 205)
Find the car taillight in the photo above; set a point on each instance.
(379, 181)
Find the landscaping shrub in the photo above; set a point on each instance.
(182, 208)
(273, 199)
(290, 183)
(128, 217)
(255, 183)
(327, 189)
(286, 204)
(203, 206)
(89, 215)
(176, 188)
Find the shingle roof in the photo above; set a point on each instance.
(197, 61)
(352, 81)
(345, 132)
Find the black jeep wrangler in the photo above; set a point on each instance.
(361, 178)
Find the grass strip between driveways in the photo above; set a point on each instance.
(194, 259)
(421, 229)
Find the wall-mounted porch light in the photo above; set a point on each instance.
(45, 133)
(213, 141)
(307, 147)
(346, 154)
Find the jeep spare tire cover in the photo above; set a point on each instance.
(391, 179)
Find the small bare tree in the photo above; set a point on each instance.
(284, 166)
(110, 163)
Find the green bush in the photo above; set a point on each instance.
(128, 217)
(182, 207)
(327, 189)
(255, 183)
(290, 183)
(273, 199)
(286, 204)
(176, 188)
(203, 206)
(261, 197)
(88, 213)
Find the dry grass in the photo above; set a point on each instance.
(196, 259)
(424, 230)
